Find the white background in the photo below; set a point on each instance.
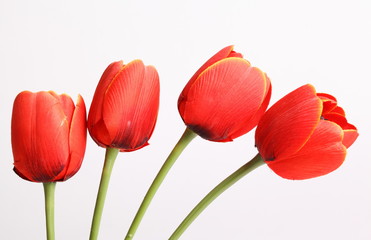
(66, 45)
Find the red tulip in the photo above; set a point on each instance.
(304, 135)
(48, 136)
(124, 109)
(225, 98)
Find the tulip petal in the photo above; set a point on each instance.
(96, 126)
(39, 117)
(326, 96)
(146, 111)
(122, 97)
(288, 124)
(338, 119)
(338, 110)
(131, 106)
(67, 104)
(222, 54)
(77, 139)
(329, 102)
(258, 115)
(231, 86)
(322, 154)
(235, 54)
(350, 136)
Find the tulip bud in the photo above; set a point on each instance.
(304, 135)
(225, 98)
(48, 136)
(124, 109)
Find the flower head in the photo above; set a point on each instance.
(225, 98)
(48, 136)
(304, 135)
(124, 109)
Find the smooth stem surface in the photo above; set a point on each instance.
(49, 190)
(186, 138)
(111, 154)
(219, 189)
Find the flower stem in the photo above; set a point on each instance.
(186, 138)
(111, 154)
(49, 190)
(219, 189)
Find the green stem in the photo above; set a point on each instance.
(49, 190)
(111, 154)
(186, 138)
(219, 189)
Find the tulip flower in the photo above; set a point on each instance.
(48, 140)
(223, 100)
(124, 109)
(304, 135)
(48, 136)
(122, 117)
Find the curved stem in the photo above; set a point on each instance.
(219, 189)
(49, 190)
(186, 138)
(111, 154)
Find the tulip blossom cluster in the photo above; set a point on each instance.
(303, 135)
